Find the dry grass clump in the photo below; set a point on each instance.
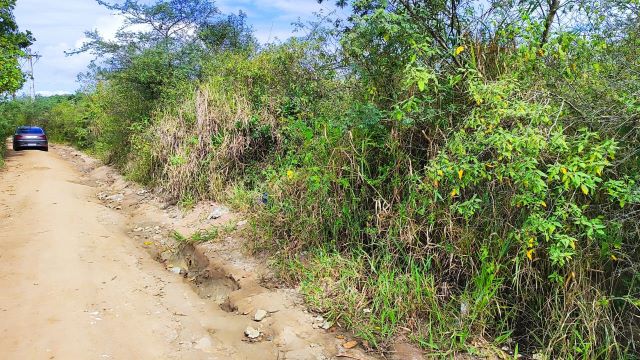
(209, 140)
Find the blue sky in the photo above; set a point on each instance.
(59, 26)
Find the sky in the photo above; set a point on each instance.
(59, 26)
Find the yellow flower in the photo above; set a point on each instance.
(530, 254)
(289, 174)
(459, 49)
(440, 173)
(454, 192)
(460, 173)
(614, 258)
(564, 170)
(544, 204)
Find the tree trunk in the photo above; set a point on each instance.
(554, 5)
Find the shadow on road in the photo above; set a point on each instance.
(13, 154)
(10, 153)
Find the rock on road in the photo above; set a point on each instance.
(73, 285)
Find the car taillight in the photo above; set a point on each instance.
(18, 137)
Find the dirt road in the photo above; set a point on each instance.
(73, 285)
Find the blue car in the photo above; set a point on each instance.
(30, 137)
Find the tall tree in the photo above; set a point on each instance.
(165, 24)
(13, 43)
(164, 42)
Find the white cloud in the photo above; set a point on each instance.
(52, 92)
(109, 25)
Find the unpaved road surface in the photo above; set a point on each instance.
(73, 284)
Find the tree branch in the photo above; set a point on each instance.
(554, 5)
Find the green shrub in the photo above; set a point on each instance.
(463, 186)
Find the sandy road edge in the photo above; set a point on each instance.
(220, 270)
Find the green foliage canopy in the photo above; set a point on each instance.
(13, 42)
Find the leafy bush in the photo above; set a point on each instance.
(426, 170)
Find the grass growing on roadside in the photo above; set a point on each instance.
(380, 303)
(198, 237)
(205, 235)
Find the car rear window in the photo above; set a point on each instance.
(30, 131)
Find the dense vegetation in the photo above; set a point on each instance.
(460, 174)
(13, 44)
